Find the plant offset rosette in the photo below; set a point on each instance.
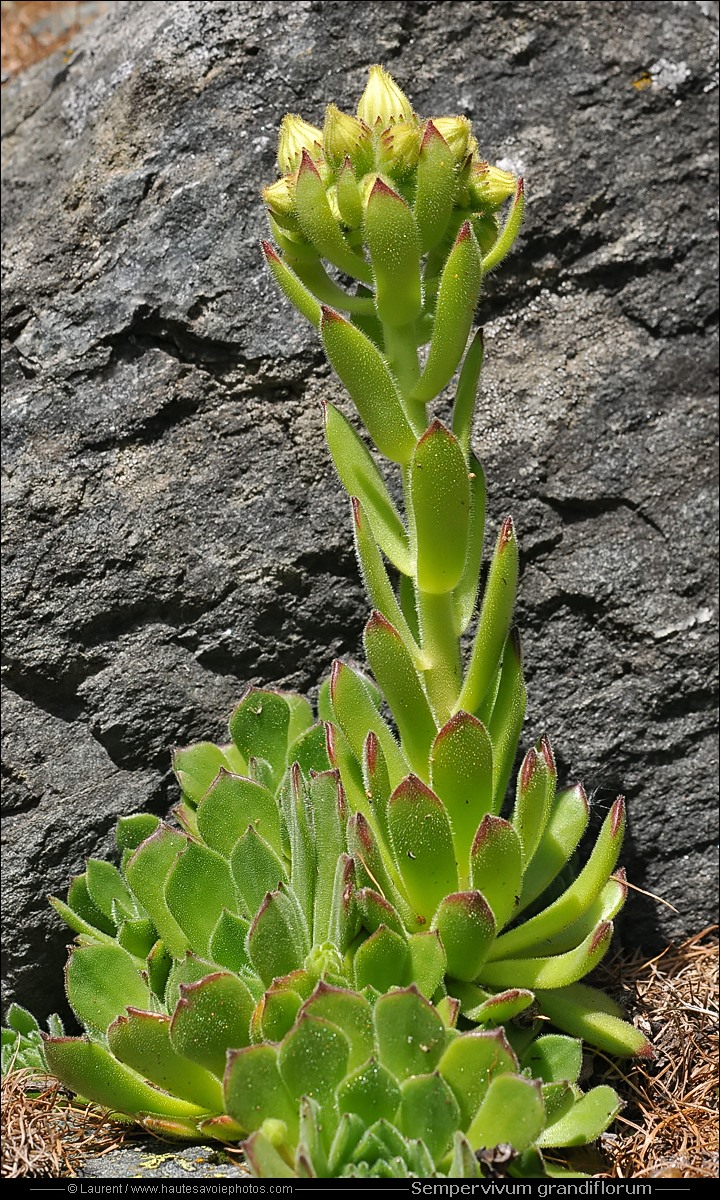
(367, 1085)
(214, 976)
(428, 789)
(211, 936)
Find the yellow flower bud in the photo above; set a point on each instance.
(456, 131)
(399, 148)
(383, 101)
(297, 135)
(346, 137)
(490, 186)
(279, 195)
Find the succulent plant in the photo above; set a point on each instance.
(237, 913)
(22, 1040)
(367, 1085)
(244, 933)
(287, 962)
(428, 829)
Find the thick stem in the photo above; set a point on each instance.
(442, 664)
(441, 652)
(402, 356)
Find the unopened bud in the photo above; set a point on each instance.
(383, 101)
(297, 135)
(279, 195)
(490, 186)
(399, 149)
(456, 131)
(346, 137)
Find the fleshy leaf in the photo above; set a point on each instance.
(254, 1090)
(211, 1017)
(132, 830)
(277, 1011)
(461, 775)
(554, 1058)
(141, 1040)
(577, 898)
(257, 869)
(509, 231)
(439, 484)
(465, 595)
(101, 982)
(492, 1010)
(309, 750)
(377, 580)
(351, 1012)
(366, 376)
(553, 972)
(422, 844)
(496, 866)
(586, 1120)
(565, 826)
(392, 239)
(371, 1092)
(494, 620)
(278, 940)
(430, 1112)
(437, 184)
(356, 714)
(199, 886)
(512, 1112)
(467, 928)
(589, 1014)
(464, 406)
(146, 872)
(91, 1071)
(319, 226)
(264, 1160)
(228, 943)
(410, 1034)
(457, 297)
(197, 766)
(313, 1058)
(533, 799)
(395, 672)
(470, 1063)
(259, 727)
(506, 720)
(428, 961)
(381, 960)
(231, 804)
(324, 809)
(81, 902)
(297, 293)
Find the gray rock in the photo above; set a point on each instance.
(150, 1159)
(173, 531)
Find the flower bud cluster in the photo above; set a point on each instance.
(385, 139)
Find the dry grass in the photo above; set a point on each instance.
(668, 1127)
(43, 1136)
